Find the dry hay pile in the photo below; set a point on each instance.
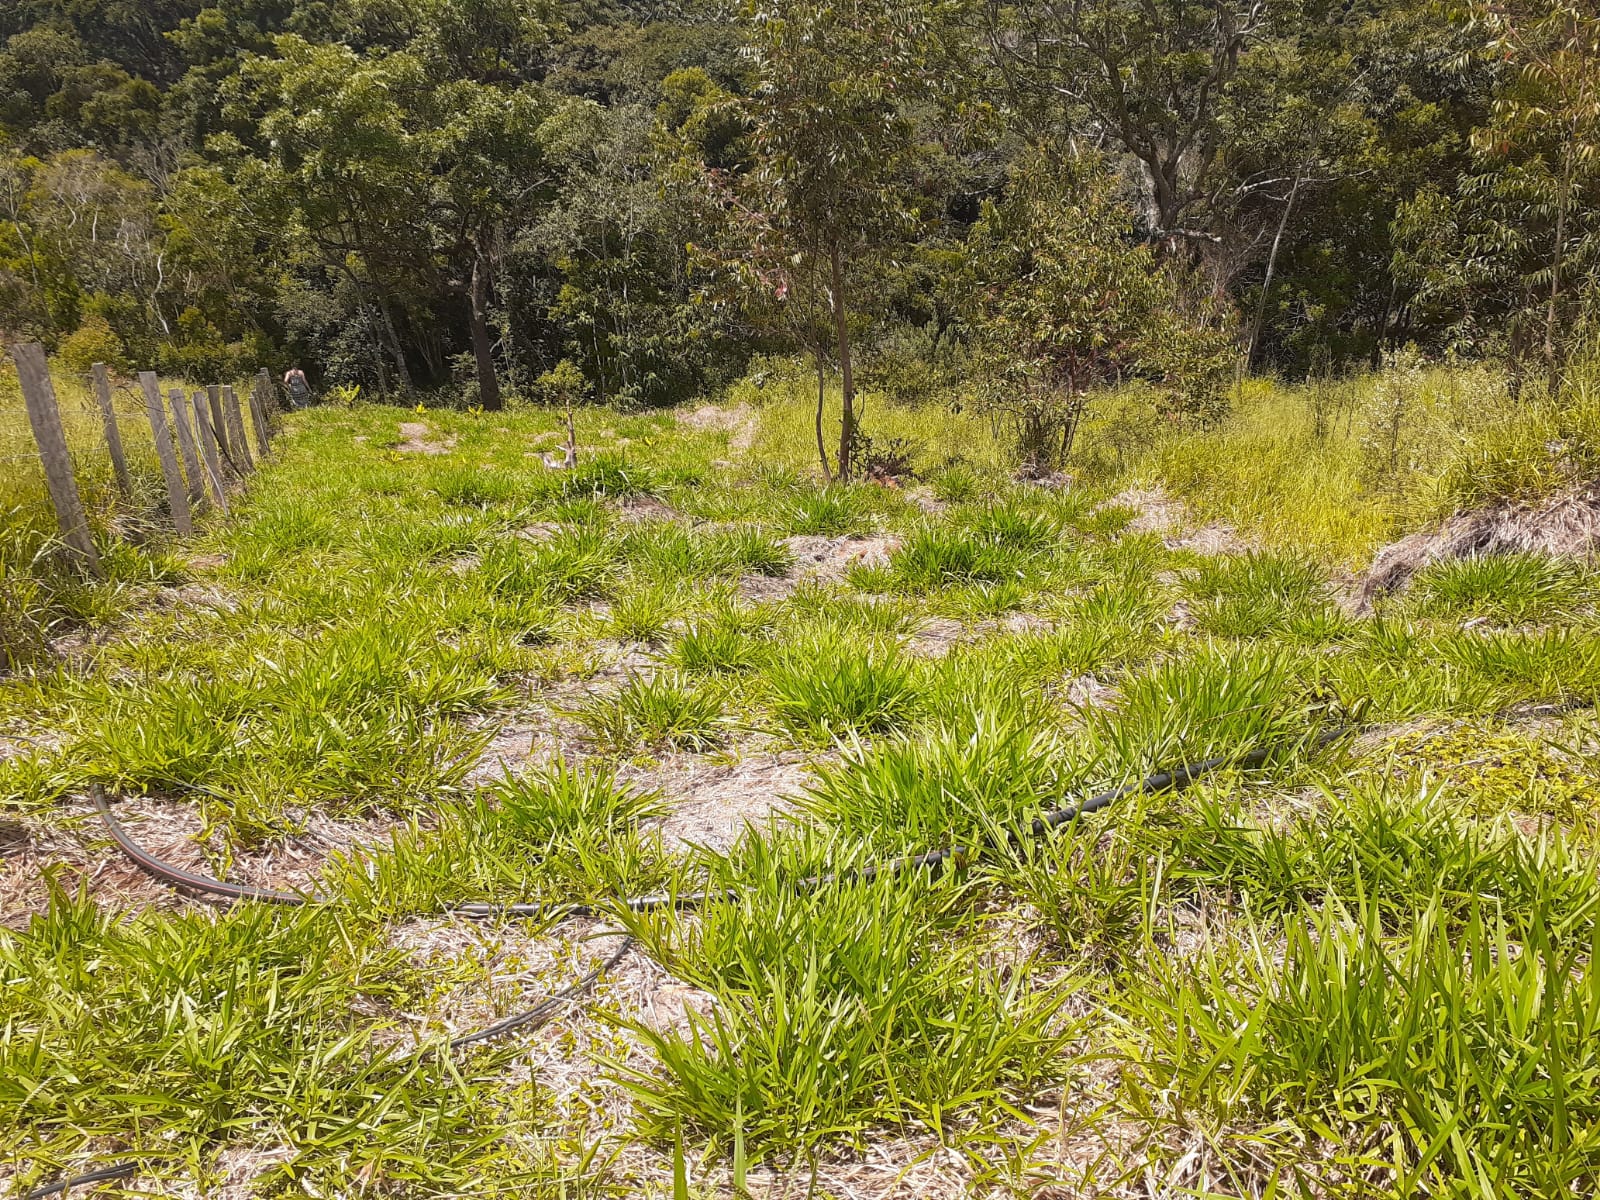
(1567, 524)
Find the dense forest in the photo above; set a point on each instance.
(991, 203)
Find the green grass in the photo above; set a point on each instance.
(1356, 966)
(727, 639)
(183, 1030)
(554, 834)
(1508, 588)
(836, 1010)
(944, 788)
(662, 712)
(828, 511)
(1458, 1060)
(833, 683)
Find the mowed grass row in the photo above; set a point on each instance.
(1359, 966)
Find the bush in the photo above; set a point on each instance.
(93, 341)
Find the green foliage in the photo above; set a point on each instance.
(831, 683)
(1065, 303)
(656, 713)
(1493, 1014)
(93, 341)
(830, 512)
(573, 565)
(837, 1009)
(644, 614)
(1505, 587)
(550, 835)
(1255, 595)
(728, 639)
(932, 558)
(210, 1023)
(946, 787)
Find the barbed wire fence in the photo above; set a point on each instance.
(201, 438)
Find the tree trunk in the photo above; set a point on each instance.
(1381, 342)
(1272, 265)
(482, 348)
(1563, 203)
(402, 372)
(377, 354)
(822, 382)
(847, 417)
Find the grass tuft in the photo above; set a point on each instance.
(663, 712)
(830, 684)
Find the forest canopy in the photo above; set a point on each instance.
(473, 194)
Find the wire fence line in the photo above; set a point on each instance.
(200, 438)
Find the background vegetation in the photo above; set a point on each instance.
(466, 193)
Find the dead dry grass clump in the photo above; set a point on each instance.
(1565, 525)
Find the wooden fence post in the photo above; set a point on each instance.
(108, 417)
(270, 404)
(39, 394)
(208, 450)
(219, 428)
(186, 446)
(236, 438)
(176, 499)
(258, 413)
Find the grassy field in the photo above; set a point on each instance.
(418, 668)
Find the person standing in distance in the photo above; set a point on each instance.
(299, 390)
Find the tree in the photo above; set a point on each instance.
(1546, 128)
(1065, 301)
(396, 178)
(1512, 245)
(616, 233)
(1154, 79)
(829, 133)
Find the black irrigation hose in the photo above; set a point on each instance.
(547, 1008)
(205, 884)
(1162, 781)
(120, 1171)
(177, 876)
(533, 1018)
(1178, 777)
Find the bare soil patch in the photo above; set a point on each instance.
(416, 437)
(829, 558)
(713, 799)
(1157, 512)
(646, 508)
(740, 423)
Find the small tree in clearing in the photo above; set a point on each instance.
(828, 134)
(1068, 300)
